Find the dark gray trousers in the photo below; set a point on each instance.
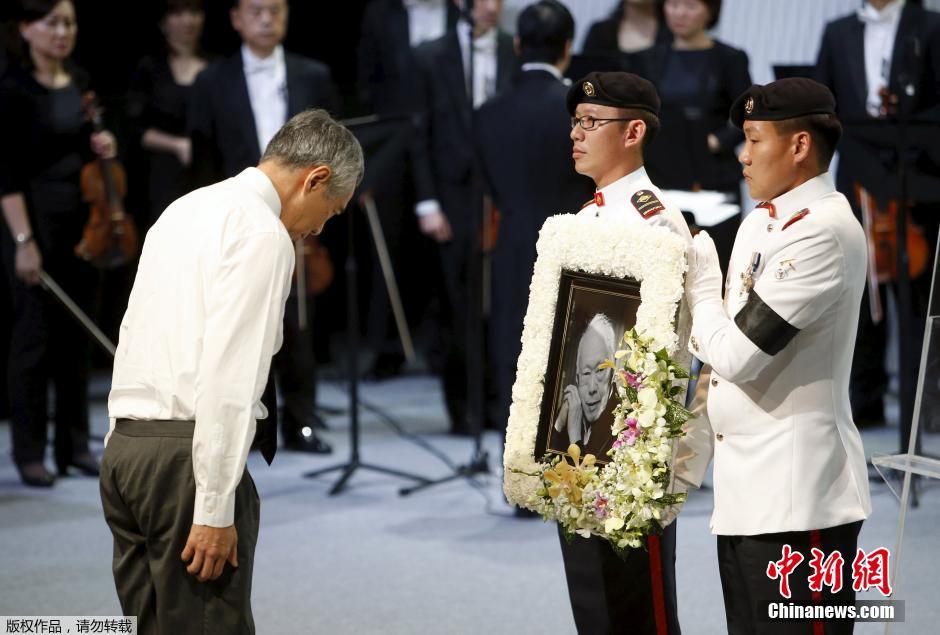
(148, 492)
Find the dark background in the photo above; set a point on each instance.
(114, 34)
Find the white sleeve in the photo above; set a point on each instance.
(777, 308)
(244, 307)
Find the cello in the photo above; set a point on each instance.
(109, 238)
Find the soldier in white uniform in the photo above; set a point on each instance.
(613, 116)
(789, 468)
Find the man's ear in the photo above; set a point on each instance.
(803, 147)
(634, 133)
(516, 46)
(316, 177)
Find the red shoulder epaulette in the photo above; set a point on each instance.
(803, 213)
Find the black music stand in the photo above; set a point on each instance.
(383, 141)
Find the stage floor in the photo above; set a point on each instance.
(452, 559)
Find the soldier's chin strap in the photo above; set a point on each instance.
(52, 287)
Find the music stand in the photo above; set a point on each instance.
(383, 140)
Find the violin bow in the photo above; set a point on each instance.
(50, 285)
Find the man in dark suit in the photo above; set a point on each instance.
(237, 105)
(444, 165)
(884, 56)
(388, 86)
(522, 140)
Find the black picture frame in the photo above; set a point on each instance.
(582, 297)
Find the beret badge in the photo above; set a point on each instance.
(749, 106)
(588, 89)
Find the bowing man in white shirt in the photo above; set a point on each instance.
(237, 105)
(203, 320)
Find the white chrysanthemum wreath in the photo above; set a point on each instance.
(630, 497)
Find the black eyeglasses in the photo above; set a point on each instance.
(587, 122)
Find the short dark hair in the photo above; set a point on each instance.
(544, 28)
(714, 11)
(178, 6)
(824, 129)
(32, 10)
(648, 118)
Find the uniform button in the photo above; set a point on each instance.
(770, 227)
(720, 436)
(694, 343)
(714, 382)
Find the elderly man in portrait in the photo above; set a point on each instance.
(587, 409)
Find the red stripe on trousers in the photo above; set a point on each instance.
(815, 540)
(656, 581)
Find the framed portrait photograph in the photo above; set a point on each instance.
(593, 280)
(591, 316)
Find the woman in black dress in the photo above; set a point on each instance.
(634, 25)
(159, 93)
(46, 143)
(697, 78)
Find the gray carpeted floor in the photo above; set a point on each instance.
(448, 560)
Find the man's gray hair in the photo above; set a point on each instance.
(603, 327)
(313, 138)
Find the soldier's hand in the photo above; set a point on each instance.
(208, 549)
(436, 226)
(703, 281)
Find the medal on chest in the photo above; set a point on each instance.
(747, 276)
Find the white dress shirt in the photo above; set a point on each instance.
(617, 198)
(267, 91)
(203, 320)
(881, 29)
(542, 66)
(427, 20)
(484, 62)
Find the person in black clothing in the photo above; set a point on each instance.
(157, 102)
(634, 26)
(388, 86)
(522, 140)
(697, 78)
(443, 166)
(858, 60)
(46, 141)
(237, 105)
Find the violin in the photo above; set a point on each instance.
(109, 238)
(880, 222)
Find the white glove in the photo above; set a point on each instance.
(703, 280)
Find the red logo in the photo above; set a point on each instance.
(871, 571)
(783, 568)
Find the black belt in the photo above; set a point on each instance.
(177, 428)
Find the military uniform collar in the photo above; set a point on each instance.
(800, 197)
(623, 188)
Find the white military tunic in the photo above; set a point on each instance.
(787, 456)
(635, 197)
